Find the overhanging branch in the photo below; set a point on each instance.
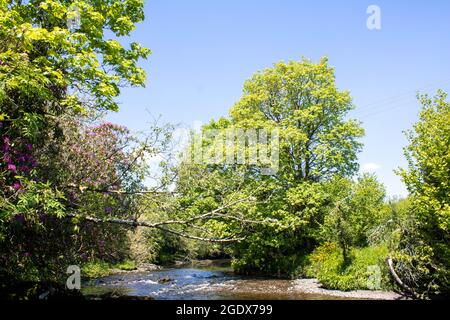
(157, 225)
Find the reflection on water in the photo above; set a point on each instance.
(194, 284)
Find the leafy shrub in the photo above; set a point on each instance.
(96, 269)
(327, 264)
(99, 268)
(126, 265)
(424, 255)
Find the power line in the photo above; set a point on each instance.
(379, 106)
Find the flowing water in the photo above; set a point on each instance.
(195, 283)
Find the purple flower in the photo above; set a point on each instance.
(17, 186)
(5, 148)
(33, 163)
(108, 210)
(29, 146)
(27, 254)
(12, 167)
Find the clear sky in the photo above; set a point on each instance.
(203, 51)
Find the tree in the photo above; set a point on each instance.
(48, 71)
(42, 58)
(427, 247)
(300, 100)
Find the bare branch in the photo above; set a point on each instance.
(398, 280)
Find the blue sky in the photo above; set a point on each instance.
(203, 51)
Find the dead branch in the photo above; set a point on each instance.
(394, 274)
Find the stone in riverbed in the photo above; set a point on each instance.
(164, 280)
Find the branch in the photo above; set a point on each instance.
(216, 240)
(158, 225)
(82, 189)
(398, 280)
(161, 225)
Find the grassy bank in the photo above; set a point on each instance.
(97, 269)
(364, 269)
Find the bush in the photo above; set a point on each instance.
(327, 264)
(424, 253)
(99, 268)
(127, 265)
(96, 269)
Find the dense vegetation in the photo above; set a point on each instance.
(54, 83)
(72, 186)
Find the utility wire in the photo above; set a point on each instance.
(383, 105)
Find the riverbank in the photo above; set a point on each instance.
(314, 286)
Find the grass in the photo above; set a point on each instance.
(98, 268)
(127, 265)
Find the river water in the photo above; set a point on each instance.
(194, 284)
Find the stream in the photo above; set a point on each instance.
(195, 283)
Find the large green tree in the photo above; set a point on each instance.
(300, 101)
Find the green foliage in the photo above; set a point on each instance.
(99, 268)
(160, 247)
(164, 248)
(47, 58)
(52, 81)
(127, 265)
(357, 208)
(36, 197)
(301, 101)
(96, 269)
(327, 264)
(426, 246)
(395, 221)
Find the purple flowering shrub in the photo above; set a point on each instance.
(71, 172)
(16, 159)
